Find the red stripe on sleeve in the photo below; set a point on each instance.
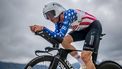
(89, 18)
(84, 23)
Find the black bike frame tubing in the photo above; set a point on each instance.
(54, 63)
(95, 52)
(61, 55)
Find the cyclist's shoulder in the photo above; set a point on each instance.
(68, 14)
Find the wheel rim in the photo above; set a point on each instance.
(109, 65)
(45, 65)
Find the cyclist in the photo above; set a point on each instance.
(84, 27)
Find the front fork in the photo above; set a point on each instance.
(54, 63)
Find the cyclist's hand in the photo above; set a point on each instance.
(36, 28)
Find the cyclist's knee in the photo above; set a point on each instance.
(86, 56)
(67, 40)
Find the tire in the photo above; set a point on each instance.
(109, 65)
(34, 64)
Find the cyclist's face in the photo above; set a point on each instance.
(60, 18)
(54, 20)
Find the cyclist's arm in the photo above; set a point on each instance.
(59, 33)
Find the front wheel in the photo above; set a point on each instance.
(44, 62)
(109, 65)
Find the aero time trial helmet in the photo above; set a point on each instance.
(52, 10)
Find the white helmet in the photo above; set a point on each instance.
(52, 9)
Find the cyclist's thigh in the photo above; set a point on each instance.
(78, 35)
(91, 39)
(93, 35)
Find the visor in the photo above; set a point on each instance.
(50, 14)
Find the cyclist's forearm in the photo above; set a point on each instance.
(53, 35)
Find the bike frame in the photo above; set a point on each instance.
(61, 55)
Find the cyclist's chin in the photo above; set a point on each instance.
(54, 21)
